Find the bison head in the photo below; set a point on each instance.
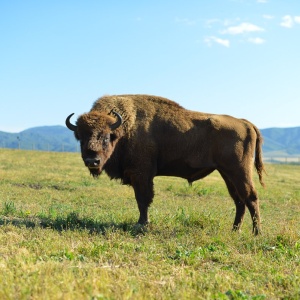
(98, 137)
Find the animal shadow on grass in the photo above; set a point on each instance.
(73, 222)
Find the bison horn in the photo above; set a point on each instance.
(118, 123)
(69, 124)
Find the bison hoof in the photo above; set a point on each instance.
(236, 228)
(140, 228)
(256, 231)
(143, 223)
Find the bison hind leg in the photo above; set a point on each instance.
(239, 203)
(242, 190)
(253, 207)
(248, 192)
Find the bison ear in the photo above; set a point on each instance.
(76, 135)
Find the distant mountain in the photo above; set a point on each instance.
(47, 138)
(277, 141)
(281, 141)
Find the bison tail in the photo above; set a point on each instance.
(258, 161)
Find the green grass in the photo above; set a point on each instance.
(64, 235)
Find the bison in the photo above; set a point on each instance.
(137, 137)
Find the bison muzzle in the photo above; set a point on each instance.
(137, 137)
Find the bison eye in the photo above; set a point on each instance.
(105, 142)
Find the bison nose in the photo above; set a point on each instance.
(92, 162)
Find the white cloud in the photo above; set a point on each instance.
(297, 19)
(262, 1)
(185, 21)
(268, 17)
(287, 21)
(242, 28)
(257, 41)
(210, 22)
(225, 23)
(212, 39)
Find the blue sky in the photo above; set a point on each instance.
(237, 57)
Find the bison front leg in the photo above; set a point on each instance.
(144, 195)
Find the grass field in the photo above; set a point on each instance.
(64, 235)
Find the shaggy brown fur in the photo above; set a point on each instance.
(159, 137)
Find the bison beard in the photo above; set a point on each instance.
(95, 172)
(137, 137)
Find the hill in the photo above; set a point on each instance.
(277, 141)
(281, 141)
(47, 138)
